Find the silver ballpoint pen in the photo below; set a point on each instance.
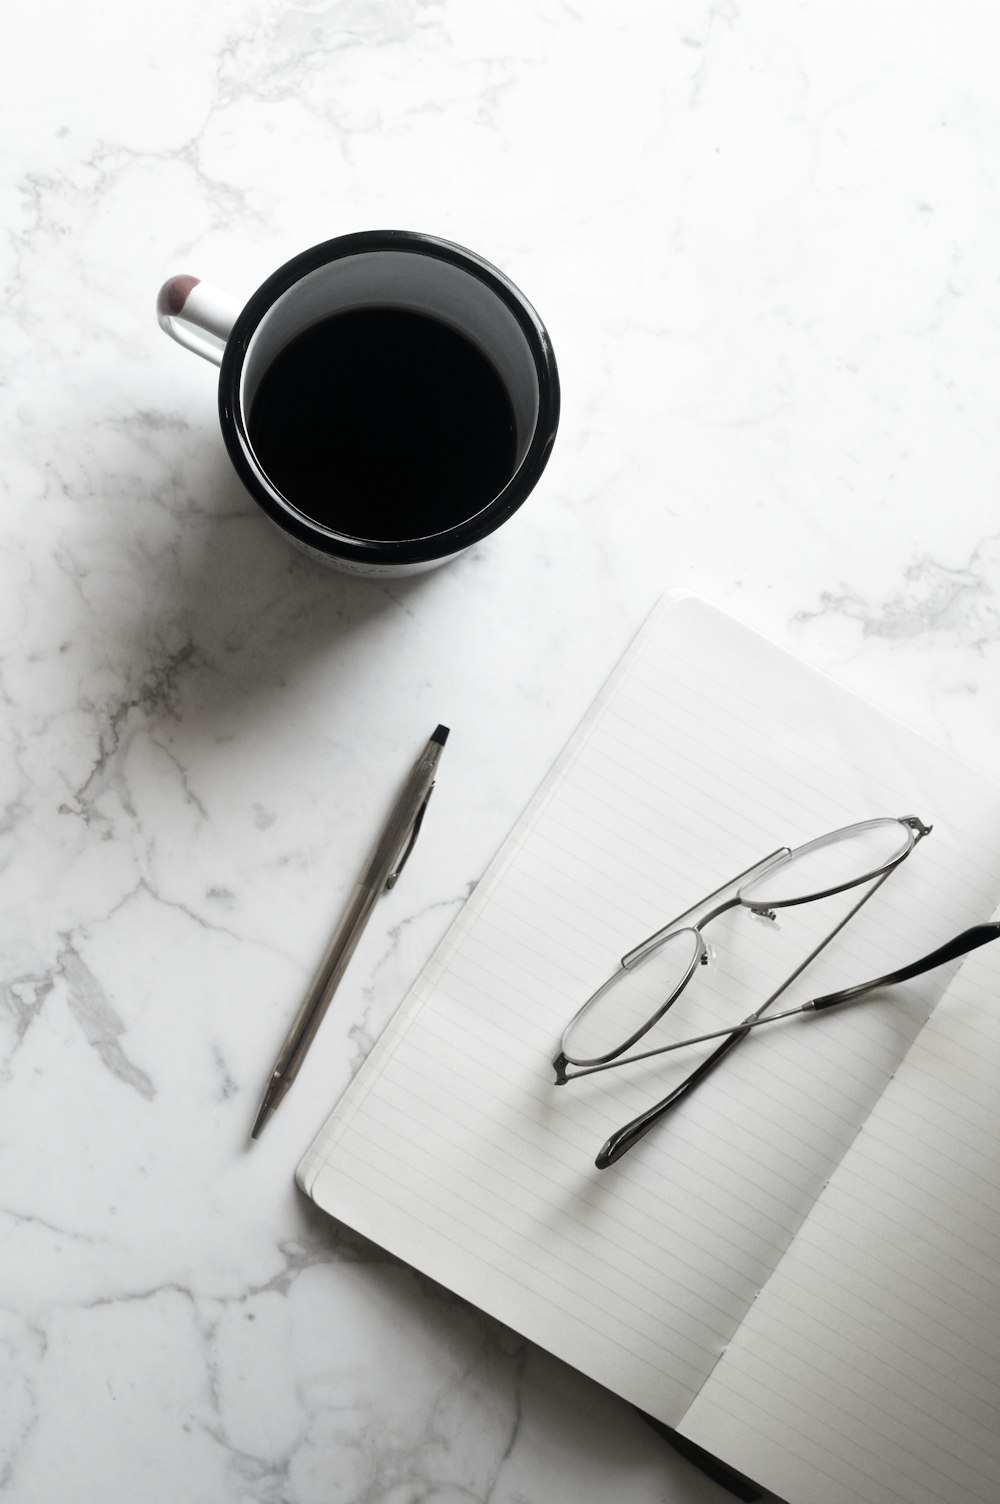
(384, 866)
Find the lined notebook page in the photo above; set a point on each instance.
(453, 1148)
(868, 1372)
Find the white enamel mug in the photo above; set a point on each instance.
(386, 269)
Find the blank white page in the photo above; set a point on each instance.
(868, 1371)
(452, 1148)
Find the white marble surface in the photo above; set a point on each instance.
(766, 242)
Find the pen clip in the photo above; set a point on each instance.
(411, 841)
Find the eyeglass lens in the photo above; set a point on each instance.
(626, 1004)
(830, 864)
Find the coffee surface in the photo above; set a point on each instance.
(383, 424)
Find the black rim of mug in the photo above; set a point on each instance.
(405, 551)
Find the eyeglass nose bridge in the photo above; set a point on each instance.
(652, 942)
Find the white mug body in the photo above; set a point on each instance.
(386, 269)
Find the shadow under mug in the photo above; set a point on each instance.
(386, 270)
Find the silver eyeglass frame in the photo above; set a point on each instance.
(744, 884)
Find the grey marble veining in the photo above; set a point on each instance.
(765, 241)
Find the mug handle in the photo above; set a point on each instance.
(197, 315)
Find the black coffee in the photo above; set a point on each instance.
(383, 424)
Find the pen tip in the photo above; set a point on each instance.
(440, 735)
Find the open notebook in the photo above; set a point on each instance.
(799, 1269)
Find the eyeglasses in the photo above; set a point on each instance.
(652, 976)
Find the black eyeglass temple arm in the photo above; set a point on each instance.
(625, 1138)
(960, 945)
(621, 1142)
